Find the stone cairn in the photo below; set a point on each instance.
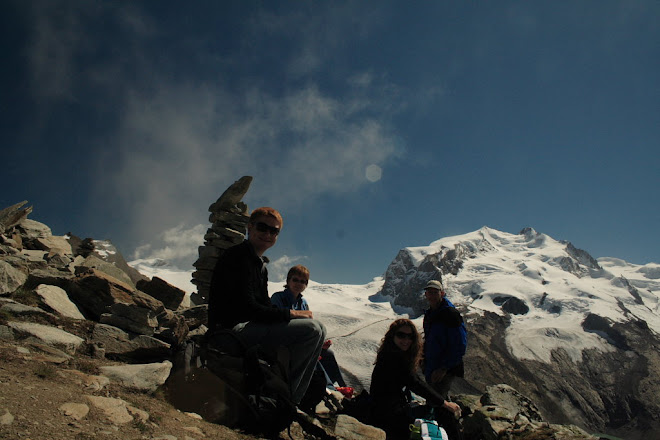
(229, 219)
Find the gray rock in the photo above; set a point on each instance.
(144, 377)
(95, 262)
(47, 275)
(7, 418)
(49, 353)
(60, 261)
(34, 256)
(90, 382)
(131, 318)
(49, 335)
(11, 278)
(106, 251)
(199, 331)
(231, 219)
(196, 316)
(77, 411)
(119, 344)
(18, 309)
(169, 295)
(116, 410)
(53, 245)
(206, 263)
(349, 428)
(57, 299)
(34, 229)
(172, 328)
(6, 333)
(7, 249)
(94, 292)
(232, 195)
(202, 276)
(12, 215)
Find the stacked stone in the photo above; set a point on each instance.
(229, 218)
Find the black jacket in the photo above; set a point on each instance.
(239, 290)
(390, 382)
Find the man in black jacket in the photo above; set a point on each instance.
(239, 301)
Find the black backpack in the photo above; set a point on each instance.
(241, 387)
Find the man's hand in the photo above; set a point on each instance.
(437, 375)
(301, 314)
(453, 408)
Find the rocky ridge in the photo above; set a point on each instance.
(87, 349)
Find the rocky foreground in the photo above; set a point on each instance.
(87, 343)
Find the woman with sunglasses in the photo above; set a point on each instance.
(395, 375)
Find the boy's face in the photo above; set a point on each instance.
(297, 283)
(263, 232)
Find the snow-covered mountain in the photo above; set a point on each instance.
(578, 335)
(548, 287)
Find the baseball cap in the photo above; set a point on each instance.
(433, 284)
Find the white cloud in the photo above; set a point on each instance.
(176, 245)
(180, 146)
(182, 137)
(278, 269)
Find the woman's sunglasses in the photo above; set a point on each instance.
(404, 335)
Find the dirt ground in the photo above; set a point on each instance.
(33, 387)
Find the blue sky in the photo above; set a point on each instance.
(126, 120)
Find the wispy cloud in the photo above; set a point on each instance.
(179, 147)
(177, 245)
(177, 138)
(278, 269)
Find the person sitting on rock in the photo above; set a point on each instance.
(239, 301)
(395, 375)
(291, 298)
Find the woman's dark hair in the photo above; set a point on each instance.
(413, 354)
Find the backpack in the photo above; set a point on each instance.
(191, 387)
(240, 387)
(424, 429)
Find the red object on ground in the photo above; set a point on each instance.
(346, 391)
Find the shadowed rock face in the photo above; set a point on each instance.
(615, 392)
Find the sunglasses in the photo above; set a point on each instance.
(404, 335)
(298, 280)
(263, 227)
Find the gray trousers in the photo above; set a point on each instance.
(303, 338)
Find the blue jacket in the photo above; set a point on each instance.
(285, 300)
(445, 338)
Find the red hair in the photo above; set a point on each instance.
(266, 211)
(299, 270)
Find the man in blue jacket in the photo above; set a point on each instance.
(445, 339)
